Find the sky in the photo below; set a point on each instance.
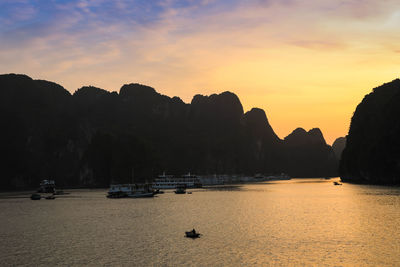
(306, 63)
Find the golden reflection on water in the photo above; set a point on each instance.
(297, 222)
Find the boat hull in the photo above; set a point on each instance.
(192, 235)
(130, 191)
(141, 195)
(173, 186)
(36, 197)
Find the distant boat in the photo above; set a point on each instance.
(336, 183)
(192, 234)
(36, 196)
(51, 197)
(180, 189)
(170, 182)
(130, 191)
(47, 186)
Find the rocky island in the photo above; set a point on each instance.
(372, 152)
(93, 136)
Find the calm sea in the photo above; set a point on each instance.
(296, 222)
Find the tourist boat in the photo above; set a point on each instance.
(47, 186)
(158, 191)
(130, 190)
(336, 183)
(36, 197)
(180, 189)
(192, 234)
(170, 182)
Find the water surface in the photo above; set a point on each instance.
(296, 222)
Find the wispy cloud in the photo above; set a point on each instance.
(187, 47)
(168, 33)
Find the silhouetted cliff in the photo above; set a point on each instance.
(338, 146)
(372, 153)
(308, 155)
(261, 144)
(94, 137)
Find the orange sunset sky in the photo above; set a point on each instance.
(306, 63)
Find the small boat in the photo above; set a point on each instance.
(189, 192)
(192, 234)
(50, 197)
(170, 182)
(180, 189)
(130, 191)
(158, 191)
(36, 196)
(337, 183)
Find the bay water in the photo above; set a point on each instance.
(296, 222)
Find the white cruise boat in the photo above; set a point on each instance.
(130, 190)
(170, 182)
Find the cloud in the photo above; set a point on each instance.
(273, 53)
(189, 41)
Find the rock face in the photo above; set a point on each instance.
(338, 146)
(308, 155)
(261, 144)
(372, 153)
(94, 137)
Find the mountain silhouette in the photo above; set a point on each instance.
(372, 152)
(308, 154)
(94, 137)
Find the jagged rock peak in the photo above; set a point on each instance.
(388, 86)
(23, 84)
(199, 99)
(136, 89)
(90, 91)
(256, 113)
(15, 76)
(257, 120)
(177, 99)
(256, 117)
(316, 135)
(229, 98)
(301, 136)
(298, 136)
(297, 132)
(21, 79)
(226, 102)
